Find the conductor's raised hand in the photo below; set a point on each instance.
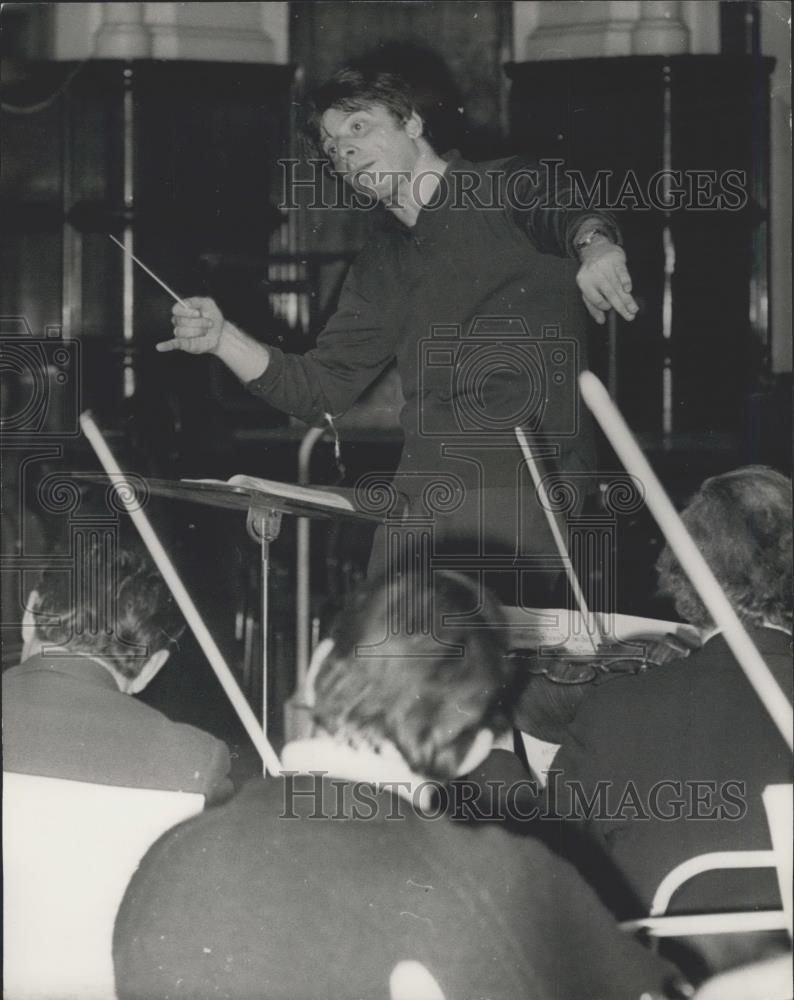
(605, 283)
(198, 325)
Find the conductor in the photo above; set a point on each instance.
(467, 282)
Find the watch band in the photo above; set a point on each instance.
(584, 241)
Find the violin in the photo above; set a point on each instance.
(608, 661)
(555, 684)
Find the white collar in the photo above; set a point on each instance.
(710, 633)
(778, 628)
(384, 767)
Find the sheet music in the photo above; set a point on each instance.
(288, 491)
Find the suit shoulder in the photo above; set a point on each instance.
(183, 740)
(189, 737)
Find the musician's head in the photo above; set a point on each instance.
(741, 521)
(418, 669)
(367, 124)
(110, 605)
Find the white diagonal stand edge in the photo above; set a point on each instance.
(126, 493)
(688, 555)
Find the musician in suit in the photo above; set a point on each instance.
(673, 762)
(92, 639)
(319, 883)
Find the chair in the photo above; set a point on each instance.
(779, 807)
(69, 851)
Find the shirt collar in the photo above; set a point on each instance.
(427, 217)
(386, 769)
(715, 630)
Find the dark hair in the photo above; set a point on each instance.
(113, 605)
(422, 667)
(353, 89)
(741, 522)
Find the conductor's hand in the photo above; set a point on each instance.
(604, 281)
(197, 328)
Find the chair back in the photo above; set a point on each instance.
(779, 805)
(69, 851)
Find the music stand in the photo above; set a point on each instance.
(265, 502)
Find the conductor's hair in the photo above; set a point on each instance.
(107, 603)
(424, 668)
(742, 523)
(353, 89)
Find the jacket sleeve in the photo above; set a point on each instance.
(544, 204)
(355, 346)
(544, 899)
(589, 770)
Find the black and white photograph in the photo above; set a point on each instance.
(397, 566)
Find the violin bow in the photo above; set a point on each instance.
(126, 493)
(590, 624)
(688, 555)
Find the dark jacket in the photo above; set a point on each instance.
(64, 717)
(288, 897)
(478, 305)
(683, 754)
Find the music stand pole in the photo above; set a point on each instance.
(264, 524)
(128, 497)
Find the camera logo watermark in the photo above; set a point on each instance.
(41, 382)
(493, 376)
(56, 521)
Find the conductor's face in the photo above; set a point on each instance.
(371, 148)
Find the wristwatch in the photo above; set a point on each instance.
(588, 236)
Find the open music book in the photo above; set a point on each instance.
(287, 491)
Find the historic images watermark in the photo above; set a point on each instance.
(316, 795)
(545, 185)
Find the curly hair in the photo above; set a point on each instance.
(109, 604)
(417, 666)
(741, 522)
